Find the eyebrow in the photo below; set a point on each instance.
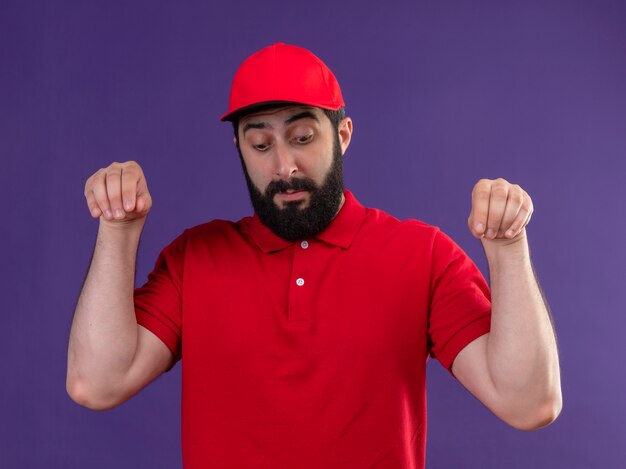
(302, 115)
(260, 125)
(295, 117)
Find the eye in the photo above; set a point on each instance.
(304, 138)
(260, 146)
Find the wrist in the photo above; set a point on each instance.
(507, 249)
(126, 230)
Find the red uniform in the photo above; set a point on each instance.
(311, 354)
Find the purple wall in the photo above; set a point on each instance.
(441, 93)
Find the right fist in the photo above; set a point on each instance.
(118, 192)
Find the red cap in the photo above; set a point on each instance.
(282, 73)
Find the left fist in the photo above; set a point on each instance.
(500, 210)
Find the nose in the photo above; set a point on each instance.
(286, 166)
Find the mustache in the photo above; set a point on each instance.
(294, 184)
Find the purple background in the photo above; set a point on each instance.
(441, 93)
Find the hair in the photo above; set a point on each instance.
(335, 117)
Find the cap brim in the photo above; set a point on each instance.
(258, 107)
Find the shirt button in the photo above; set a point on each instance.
(300, 282)
(304, 244)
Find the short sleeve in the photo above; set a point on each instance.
(460, 303)
(158, 303)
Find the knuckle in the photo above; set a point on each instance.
(516, 189)
(114, 197)
(501, 182)
(499, 191)
(100, 195)
(482, 184)
(481, 193)
(91, 180)
(530, 201)
(102, 202)
(131, 176)
(112, 168)
(517, 198)
(132, 168)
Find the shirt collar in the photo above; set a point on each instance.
(340, 232)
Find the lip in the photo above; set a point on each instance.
(291, 195)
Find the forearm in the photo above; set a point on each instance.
(103, 337)
(513, 370)
(521, 353)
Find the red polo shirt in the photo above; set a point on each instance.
(311, 354)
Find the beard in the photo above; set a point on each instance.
(293, 222)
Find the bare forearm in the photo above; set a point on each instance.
(103, 338)
(521, 349)
(513, 370)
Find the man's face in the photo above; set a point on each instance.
(292, 160)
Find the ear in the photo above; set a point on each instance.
(235, 140)
(345, 133)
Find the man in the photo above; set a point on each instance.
(304, 330)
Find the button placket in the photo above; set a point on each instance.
(300, 286)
